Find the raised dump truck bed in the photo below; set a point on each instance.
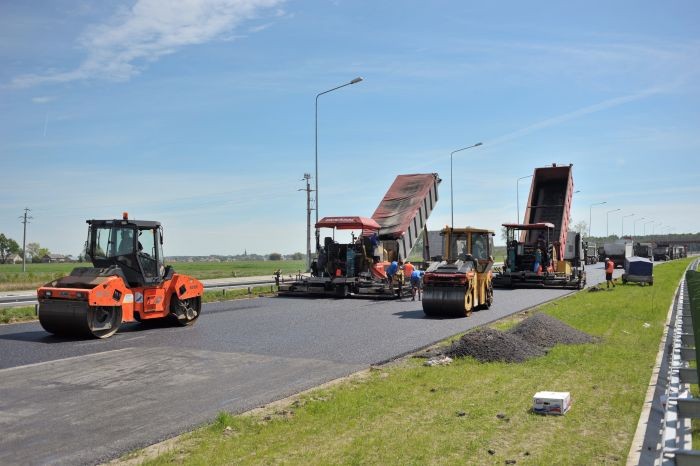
(549, 201)
(404, 210)
(542, 252)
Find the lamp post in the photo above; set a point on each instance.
(634, 226)
(607, 220)
(622, 231)
(354, 81)
(653, 227)
(590, 215)
(452, 212)
(645, 226)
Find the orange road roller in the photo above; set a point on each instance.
(128, 282)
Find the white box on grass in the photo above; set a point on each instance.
(551, 402)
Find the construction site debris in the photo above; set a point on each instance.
(438, 361)
(546, 331)
(490, 345)
(529, 339)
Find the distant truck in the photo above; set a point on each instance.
(591, 252)
(678, 251)
(645, 250)
(618, 251)
(662, 252)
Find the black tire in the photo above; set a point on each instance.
(187, 311)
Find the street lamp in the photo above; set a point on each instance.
(517, 195)
(634, 226)
(654, 226)
(645, 226)
(354, 81)
(607, 221)
(452, 212)
(622, 233)
(590, 217)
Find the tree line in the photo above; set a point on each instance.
(9, 247)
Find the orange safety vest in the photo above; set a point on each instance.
(408, 269)
(609, 267)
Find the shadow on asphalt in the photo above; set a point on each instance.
(40, 336)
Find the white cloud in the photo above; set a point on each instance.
(42, 99)
(150, 29)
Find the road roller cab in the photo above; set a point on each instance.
(128, 282)
(459, 280)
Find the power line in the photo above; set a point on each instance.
(24, 220)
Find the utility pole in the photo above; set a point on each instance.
(25, 219)
(307, 177)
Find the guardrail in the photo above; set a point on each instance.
(19, 299)
(680, 406)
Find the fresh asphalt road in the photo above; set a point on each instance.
(86, 401)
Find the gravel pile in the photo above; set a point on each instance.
(489, 345)
(546, 331)
(529, 339)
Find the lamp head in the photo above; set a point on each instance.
(356, 80)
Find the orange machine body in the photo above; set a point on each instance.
(138, 303)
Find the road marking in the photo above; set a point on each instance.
(62, 359)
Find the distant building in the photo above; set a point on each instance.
(13, 259)
(53, 258)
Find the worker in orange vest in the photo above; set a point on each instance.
(408, 269)
(609, 267)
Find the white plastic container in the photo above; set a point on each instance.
(551, 402)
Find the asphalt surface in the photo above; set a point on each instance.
(66, 401)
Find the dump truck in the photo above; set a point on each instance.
(461, 280)
(591, 252)
(662, 252)
(677, 251)
(618, 251)
(645, 250)
(542, 252)
(128, 282)
(360, 268)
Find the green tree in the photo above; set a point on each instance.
(275, 256)
(7, 246)
(297, 256)
(37, 251)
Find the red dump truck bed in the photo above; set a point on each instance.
(550, 197)
(405, 208)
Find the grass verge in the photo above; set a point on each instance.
(17, 314)
(467, 412)
(12, 277)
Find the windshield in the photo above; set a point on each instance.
(480, 248)
(114, 241)
(458, 246)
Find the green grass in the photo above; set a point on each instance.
(17, 314)
(224, 295)
(12, 277)
(408, 413)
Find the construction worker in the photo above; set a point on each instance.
(408, 269)
(538, 261)
(609, 268)
(416, 276)
(391, 271)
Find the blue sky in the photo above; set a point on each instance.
(200, 114)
